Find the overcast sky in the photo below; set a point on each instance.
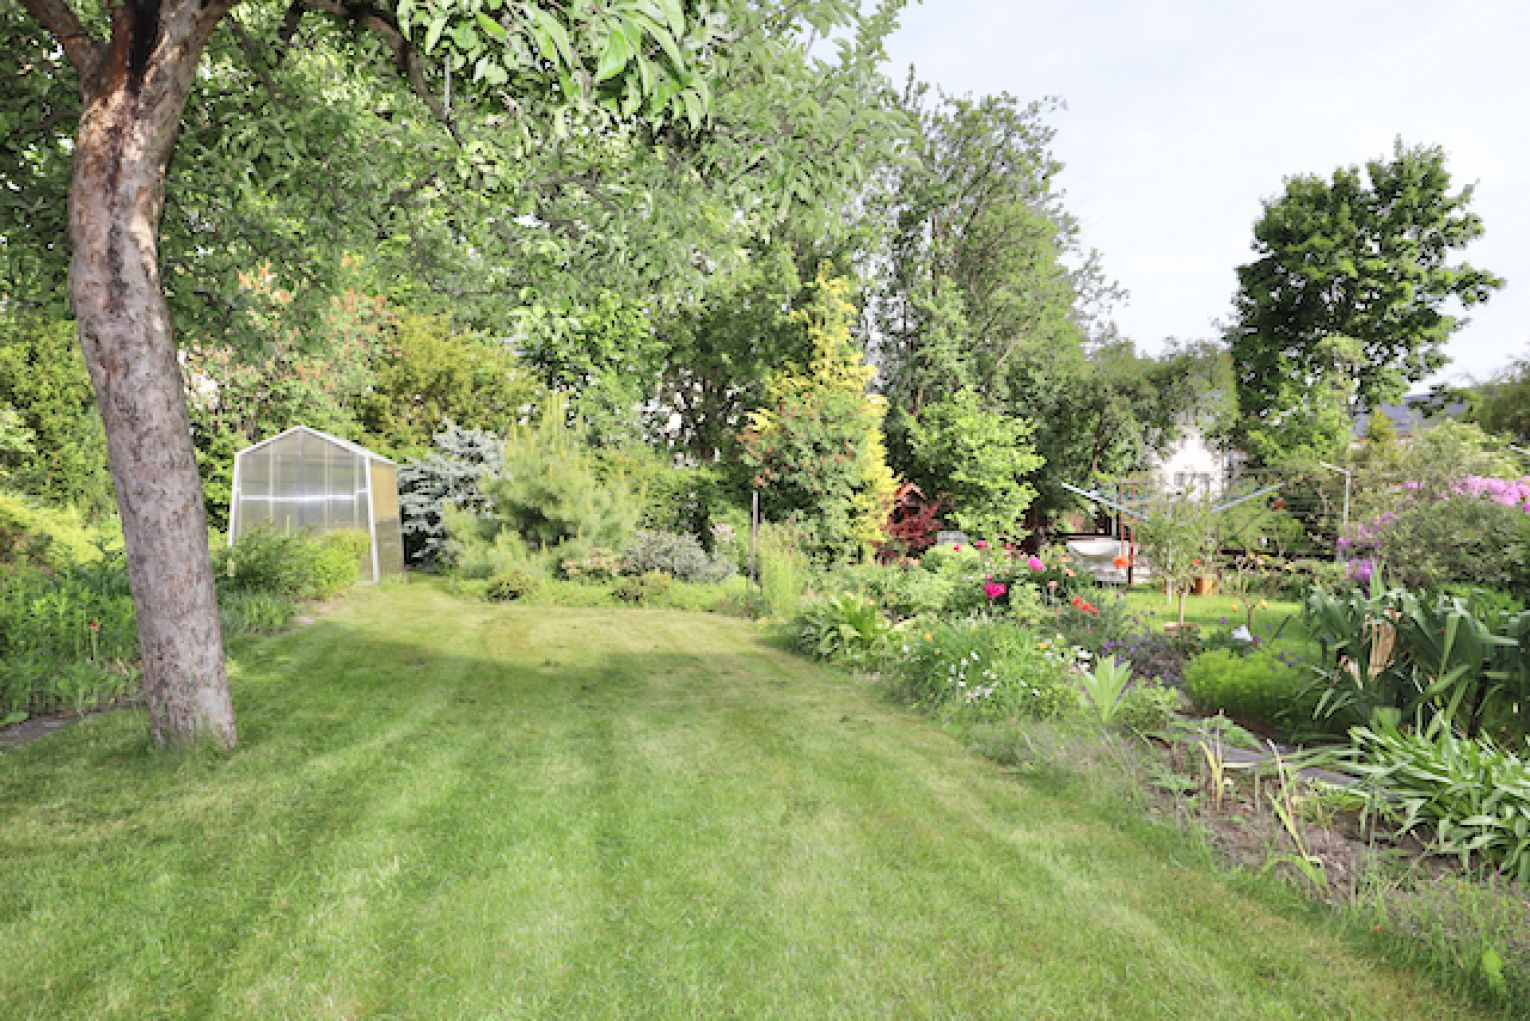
(1182, 115)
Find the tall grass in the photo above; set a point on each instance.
(784, 570)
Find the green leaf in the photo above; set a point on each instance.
(614, 60)
(493, 29)
(465, 39)
(558, 34)
(433, 33)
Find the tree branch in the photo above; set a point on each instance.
(59, 19)
(256, 58)
(384, 25)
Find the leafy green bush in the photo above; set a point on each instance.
(677, 555)
(1147, 708)
(902, 591)
(851, 628)
(986, 670)
(642, 589)
(1255, 689)
(511, 585)
(1462, 539)
(300, 565)
(1470, 796)
(41, 536)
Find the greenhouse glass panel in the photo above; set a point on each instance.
(306, 479)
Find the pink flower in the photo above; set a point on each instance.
(994, 590)
(956, 547)
(980, 544)
(1035, 564)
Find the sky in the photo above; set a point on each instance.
(1183, 115)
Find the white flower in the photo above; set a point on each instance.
(1242, 633)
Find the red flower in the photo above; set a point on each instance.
(95, 625)
(1122, 562)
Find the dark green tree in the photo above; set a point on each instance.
(1503, 403)
(1366, 255)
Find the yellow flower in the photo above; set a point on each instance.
(929, 637)
(1041, 645)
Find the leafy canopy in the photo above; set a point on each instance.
(1365, 255)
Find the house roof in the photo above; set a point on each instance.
(347, 445)
(1408, 417)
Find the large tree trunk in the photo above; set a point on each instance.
(132, 108)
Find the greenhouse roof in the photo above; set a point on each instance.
(354, 448)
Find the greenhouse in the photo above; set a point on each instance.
(304, 478)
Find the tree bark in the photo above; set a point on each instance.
(134, 95)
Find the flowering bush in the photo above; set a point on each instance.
(1504, 492)
(989, 671)
(1476, 534)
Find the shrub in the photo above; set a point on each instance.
(1257, 689)
(1464, 537)
(476, 550)
(912, 524)
(300, 565)
(677, 555)
(1146, 708)
(901, 591)
(511, 585)
(641, 589)
(599, 565)
(981, 669)
(41, 536)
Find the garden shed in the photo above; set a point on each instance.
(304, 478)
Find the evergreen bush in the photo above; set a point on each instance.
(679, 556)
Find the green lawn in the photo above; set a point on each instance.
(1217, 613)
(445, 809)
